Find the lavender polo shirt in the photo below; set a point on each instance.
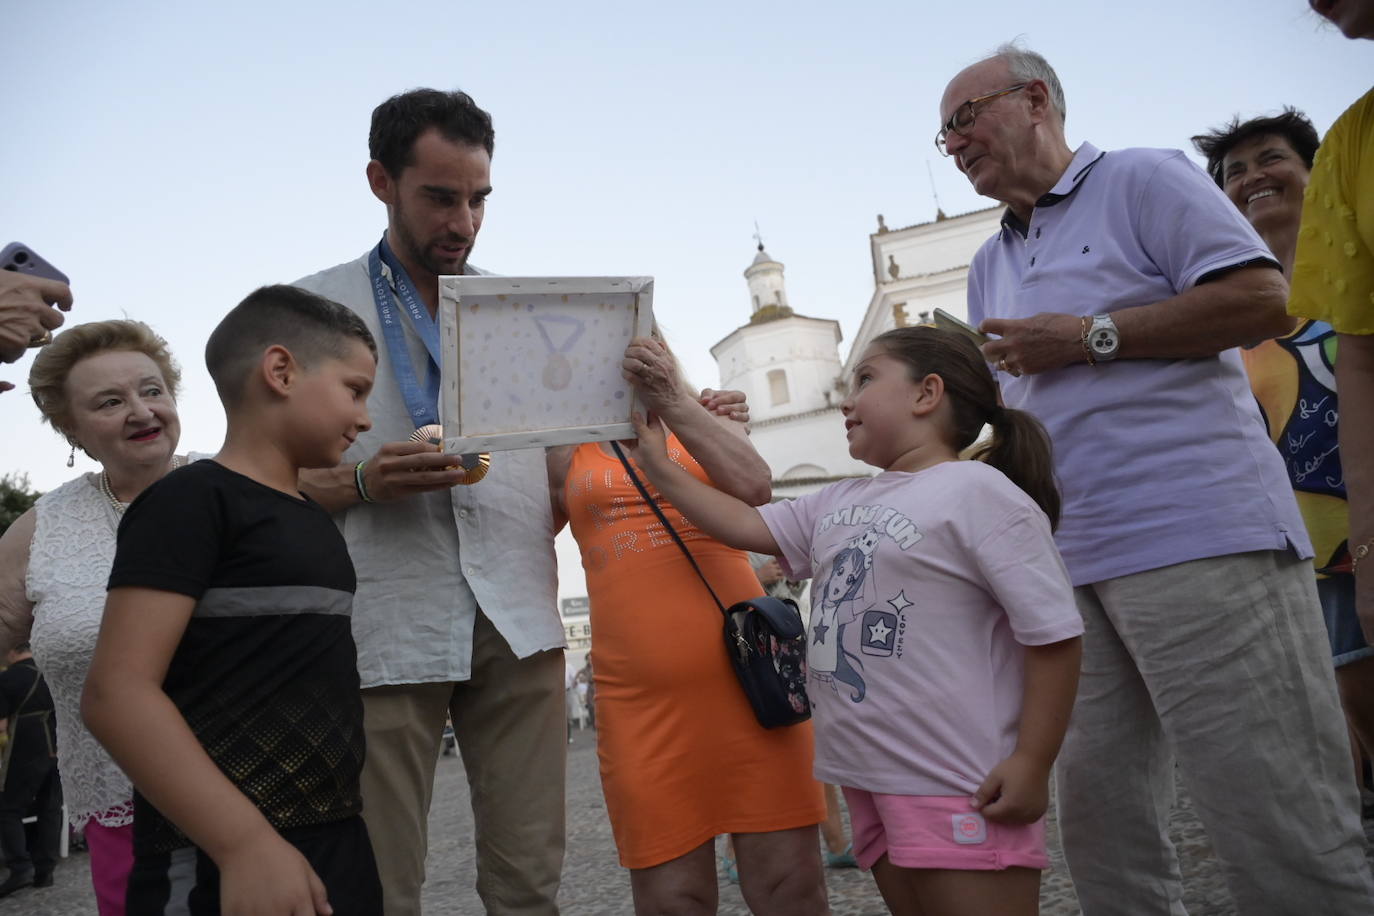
(1160, 461)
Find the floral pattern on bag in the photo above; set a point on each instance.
(782, 657)
(789, 660)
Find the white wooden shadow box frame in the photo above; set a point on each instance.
(530, 362)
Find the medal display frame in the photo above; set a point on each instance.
(532, 362)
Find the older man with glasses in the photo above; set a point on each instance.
(1117, 289)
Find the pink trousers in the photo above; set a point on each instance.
(112, 856)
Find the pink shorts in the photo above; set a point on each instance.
(930, 831)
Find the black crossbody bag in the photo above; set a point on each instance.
(764, 639)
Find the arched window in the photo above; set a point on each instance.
(777, 386)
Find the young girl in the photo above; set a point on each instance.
(944, 642)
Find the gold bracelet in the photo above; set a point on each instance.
(1359, 553)
(1087, 350)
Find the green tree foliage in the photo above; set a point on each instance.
(15, 498)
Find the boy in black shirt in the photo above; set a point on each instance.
(225, 677)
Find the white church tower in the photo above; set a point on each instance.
(789, 367)
(766, 286)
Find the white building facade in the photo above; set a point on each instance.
(921, 268)
(790, 367)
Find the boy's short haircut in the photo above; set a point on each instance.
(310, 326)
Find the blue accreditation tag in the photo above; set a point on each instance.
(422, 404)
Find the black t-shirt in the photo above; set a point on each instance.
(266, 673)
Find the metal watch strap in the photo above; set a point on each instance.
(1104, 323)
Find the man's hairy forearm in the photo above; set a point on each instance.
(1243, 307)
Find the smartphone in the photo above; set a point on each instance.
(20, 257)
(947, 322)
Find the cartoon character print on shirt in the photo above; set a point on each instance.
(831, 611)
(866, 543)
(849, 594)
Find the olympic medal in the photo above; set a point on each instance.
(474, 465)
(433, 434)
(557, 372)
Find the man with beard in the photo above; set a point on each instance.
(456, 608)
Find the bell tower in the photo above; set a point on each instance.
(766, 286)
(788, 365)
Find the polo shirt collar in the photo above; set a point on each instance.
(1084, 158)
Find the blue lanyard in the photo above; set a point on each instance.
(423, 406)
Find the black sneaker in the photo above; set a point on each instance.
(42, 879)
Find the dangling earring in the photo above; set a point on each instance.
(71, 459)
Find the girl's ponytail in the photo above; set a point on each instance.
(1020, 448)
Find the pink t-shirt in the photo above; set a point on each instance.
(925, 588)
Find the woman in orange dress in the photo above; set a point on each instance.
(682, 757)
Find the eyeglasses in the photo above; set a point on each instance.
(961, 122)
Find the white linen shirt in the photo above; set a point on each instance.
(425, 564)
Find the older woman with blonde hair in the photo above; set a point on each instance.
(108, 387)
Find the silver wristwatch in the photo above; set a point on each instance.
(1104, 340)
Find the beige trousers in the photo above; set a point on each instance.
(1222, 666)
(512, 732)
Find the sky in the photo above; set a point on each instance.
(171, 157)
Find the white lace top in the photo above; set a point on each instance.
(69, 565)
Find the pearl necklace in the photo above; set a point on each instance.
(105, 487)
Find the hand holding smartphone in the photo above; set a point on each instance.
(31, 291)
(20, 258)
(947, 322)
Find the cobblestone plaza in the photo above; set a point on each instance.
(594, 884)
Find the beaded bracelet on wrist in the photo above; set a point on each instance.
(358, 473)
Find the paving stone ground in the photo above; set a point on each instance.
(595, 885)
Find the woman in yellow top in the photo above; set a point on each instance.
(682, 757)
(1333, 280)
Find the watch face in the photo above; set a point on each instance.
(1103, 341)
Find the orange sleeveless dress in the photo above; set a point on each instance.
(682, 757)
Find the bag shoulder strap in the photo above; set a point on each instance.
(33, 688)
(629, 469)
